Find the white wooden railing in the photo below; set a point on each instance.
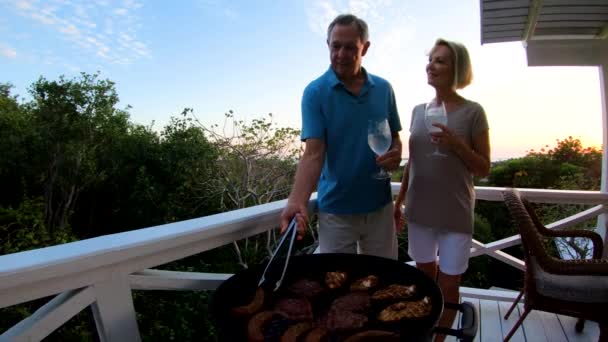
(101, 272)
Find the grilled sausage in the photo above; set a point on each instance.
(256, 325)
(294, 331)
(374, 336)
(254, 306)
(317, 335)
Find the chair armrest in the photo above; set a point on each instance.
(596, 239)
(590, 267)
(598, 244)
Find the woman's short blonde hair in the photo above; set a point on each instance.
(463, 71)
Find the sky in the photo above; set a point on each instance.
(256, 57)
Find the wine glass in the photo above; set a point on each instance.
(435, 113)
(379, 140)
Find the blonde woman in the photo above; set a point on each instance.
(438, 191)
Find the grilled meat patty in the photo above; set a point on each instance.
(344, 321)
(364, 284)
(306, 288)
(335, 280)
(296, 309)
(355, 301)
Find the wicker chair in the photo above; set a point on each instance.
(577, 288)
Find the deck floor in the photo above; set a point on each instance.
(538, 326)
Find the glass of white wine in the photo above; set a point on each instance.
(435, 113)
(379, 140)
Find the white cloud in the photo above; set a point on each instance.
(23, 4)
(69, 29)
(8, 52)
(219, 9)
(320, 14)
(98, 28)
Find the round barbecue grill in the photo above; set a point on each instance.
(239, 289)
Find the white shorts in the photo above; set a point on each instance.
(427, 244)
(372, 233)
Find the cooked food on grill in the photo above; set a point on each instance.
(306, 288)
(335, 280)
(395, 291)
(296, 309)
(364, 284)
(293, 332)
(354, 301)
(374, 336)
(254, 306)
(345, 321)
(402, 310)
(317, 334)
(255, 327)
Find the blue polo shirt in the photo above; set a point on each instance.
(339, 118)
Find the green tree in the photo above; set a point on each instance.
(73, 121)
(568, 165)
(256, 165)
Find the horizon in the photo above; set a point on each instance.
(256, 58)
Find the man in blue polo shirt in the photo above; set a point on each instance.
(355, 209)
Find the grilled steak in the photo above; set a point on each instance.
(335, 280)
(364, 284)
(345, 321)
(395, 291)
(296, 309)
(355, 301)
(401, 310)
(306, 288)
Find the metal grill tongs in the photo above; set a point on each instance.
(290, 234)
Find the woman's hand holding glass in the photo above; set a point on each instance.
(435, 113)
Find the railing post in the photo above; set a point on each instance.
(114, 312)
(602, 219)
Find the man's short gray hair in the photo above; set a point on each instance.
(350, 19)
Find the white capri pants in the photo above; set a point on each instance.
(427, 244)
(373, 233)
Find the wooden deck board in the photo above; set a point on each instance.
(589, 334)
(508, 324)
(533, 326)
(553, 328)
(489, 324)
(539, 326)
